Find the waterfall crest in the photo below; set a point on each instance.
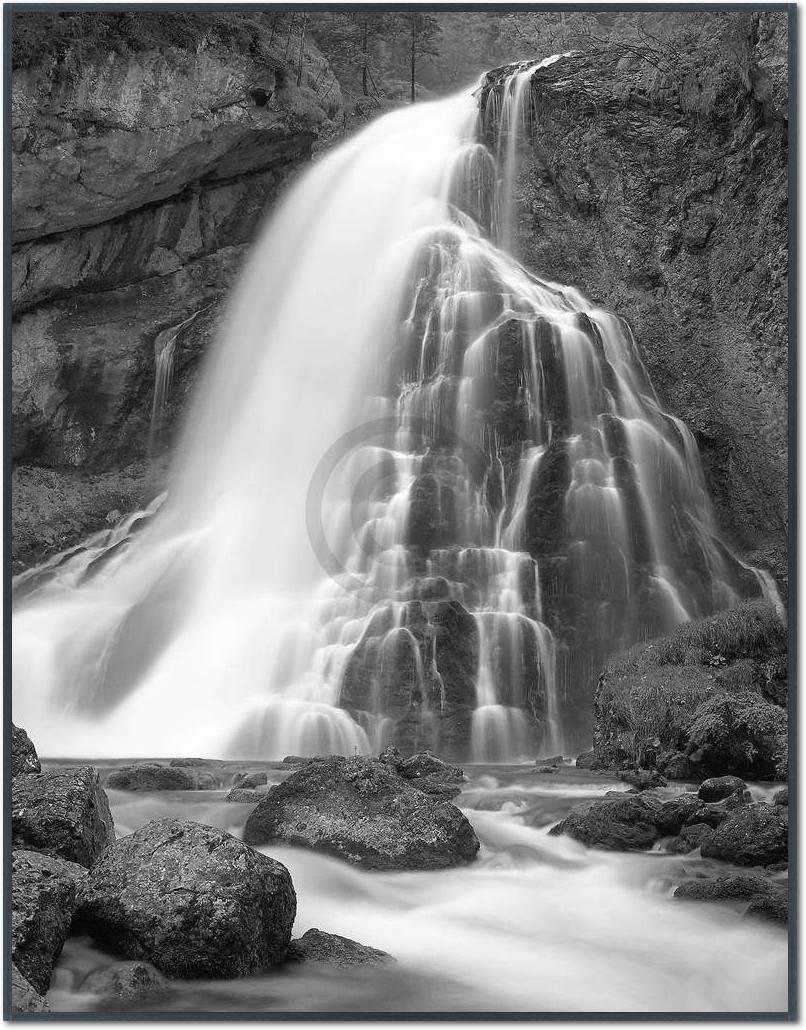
(476, 454)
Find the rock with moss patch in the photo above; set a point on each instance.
(741, 735)
(361, 810)
(190, 899)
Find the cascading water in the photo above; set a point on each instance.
(476, 454)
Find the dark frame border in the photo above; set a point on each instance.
(792, 1014)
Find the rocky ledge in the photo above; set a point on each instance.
(139, 174)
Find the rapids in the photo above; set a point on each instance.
(474, 455)
(537, 924)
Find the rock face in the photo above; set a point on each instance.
(360, 810)
(192, 900)
(139, 174)
(24, 758)
(150, 777)
(63, 813)
(330, 949)
(43, 900)
(664, 197)
(23, 996)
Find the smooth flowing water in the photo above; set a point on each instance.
(474, 455)
(537, 924)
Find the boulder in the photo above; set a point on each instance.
(63, 813)
(126, 981)
(774, 907)
(694, 835)
(190, 763)
(617, 822)
(588, 760)
(642, 779)
(190, 899)
(725, 888)
(720, 787)
(24, 758)
(245, 797)
(24, 998)
(248, 781)
(330, 949)
(150, 777)
(428, 773)
(750, 835)
(781, 797)
(674, 814)
(360, 810)
(43, 899)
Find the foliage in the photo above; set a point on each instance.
(740, 732)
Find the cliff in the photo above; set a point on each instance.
(140, 173)
(661, 192)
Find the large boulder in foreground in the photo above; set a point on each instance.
(43, 899)
(617, 822)
(24, 998)
(332, 950)
(750, 835)
(190, 899)
(63, 813)
(361, 810)
(24, 758)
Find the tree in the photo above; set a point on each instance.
(423, 30)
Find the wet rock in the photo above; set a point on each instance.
(126, 981)
(588, 760)
(642, 779)
(24, 758)
(553, 760)
(750, 835)
(150, 777)
(781, 797)
(43, 899)
(185, 763)
(192, 900)
(675, 813)
(617, 822)
(360, 810)
(24, 998)
(720, 787)
(248, 781)
(773, 907)
(430, 774)
(330, 949)
(725, 888)
(245, 797)
(695, 835)
(63, 813)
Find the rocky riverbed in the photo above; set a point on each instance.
(515, 927)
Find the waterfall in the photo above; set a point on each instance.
(475, 457)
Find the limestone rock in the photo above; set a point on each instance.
(360, 810)
(190, 899)
(63, 813)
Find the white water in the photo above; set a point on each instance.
(537, 924)
(375, 302)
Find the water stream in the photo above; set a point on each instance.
(537, 924)
(475, 457)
